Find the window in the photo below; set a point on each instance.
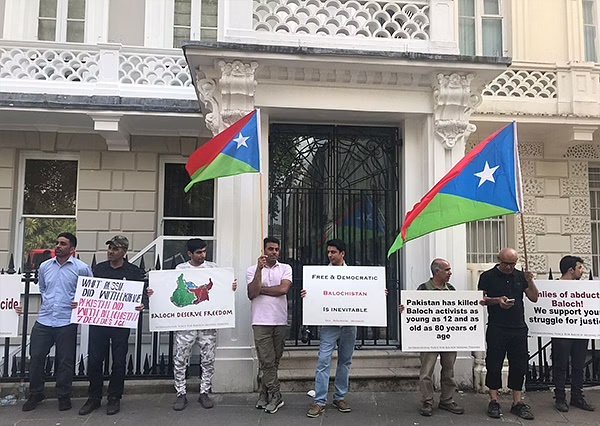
(48, 206)
(194, 20)
(480, 27)
(594, 177)
(61, 20)
(589, 30)
(485, 238)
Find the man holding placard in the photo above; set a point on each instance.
(506, 335)
(330, 336)
(571, 268)
(57, 279)
(268, 284)
(103, 337)
(440, 281)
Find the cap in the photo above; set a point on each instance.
(120, 241)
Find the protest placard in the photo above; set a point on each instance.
(192, 299)
(349, 295)
(438, 321)
(10, 298)
(565, 308)
(107, 302)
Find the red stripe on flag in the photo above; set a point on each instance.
(455, 171)
(207, 153)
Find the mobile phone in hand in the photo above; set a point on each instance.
(510, 300)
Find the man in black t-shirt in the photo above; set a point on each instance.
(116, 267)
(506, 334)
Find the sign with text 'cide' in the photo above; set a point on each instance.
(10, 298)
(568, 309)
(442, 321)
(344, 295)
(107, 302)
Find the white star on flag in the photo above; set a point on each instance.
(487, 174)
(241, 141)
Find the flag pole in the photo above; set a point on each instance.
(262, 209)
(524, 242)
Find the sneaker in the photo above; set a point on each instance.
(113, 406)
(262, 401)
(33, 401)
(426, 409)
(180, 403)
(522, 410)
(90, 405)
(582, 404)
(561, 405)
(315, 410)
(342, 406)
(494, 410)
(205, 401)
(275, 403)
(64, 403)
(451, 406)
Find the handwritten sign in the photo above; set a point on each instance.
(10, 298)
(344, 295)
(192, 299)
(107, 302)
(565, 308)
(437, 321)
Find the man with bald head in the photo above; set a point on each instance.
(506, 335)
(441, 272)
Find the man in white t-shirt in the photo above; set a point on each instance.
(185, 339)
(268, 284)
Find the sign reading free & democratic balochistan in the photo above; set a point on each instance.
(344, 295)
(192, 299)
(10, 298)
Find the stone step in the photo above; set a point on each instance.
(362, 358)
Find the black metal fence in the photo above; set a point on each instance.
(539, 374)
(152, 357)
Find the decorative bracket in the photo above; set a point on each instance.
(453, 104)
(227, 92)
(112, 130)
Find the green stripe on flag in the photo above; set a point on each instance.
(222, 166)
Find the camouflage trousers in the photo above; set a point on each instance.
(184, 342)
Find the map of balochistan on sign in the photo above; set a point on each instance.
(192, 299)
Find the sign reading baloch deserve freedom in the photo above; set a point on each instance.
(565, 308)
(10, 297)
(107, 302)
(435, 321)
(192, 299)
(344, 295)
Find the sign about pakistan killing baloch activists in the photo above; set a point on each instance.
(565, 308)
(435, 321)
(107, 302)
(192, 299)
(10, 298)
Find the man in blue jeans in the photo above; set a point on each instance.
(344, 338)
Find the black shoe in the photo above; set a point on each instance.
(33, 401)
(561, 405)
(113, 406)
(90, 405)
(205, 401)
(451, 406)
(522, 410)
(64, 403)
(582, 404)
(494, 410)
(180, 403)
(426, 409)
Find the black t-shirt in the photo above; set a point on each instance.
(127, 271)
(497, 284)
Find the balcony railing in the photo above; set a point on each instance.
(102, 69)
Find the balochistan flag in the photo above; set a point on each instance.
(485, 183)
(234, 151)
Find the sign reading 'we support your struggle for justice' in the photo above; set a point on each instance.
(344, 295)
(107, 302)
(565, 308)
(435, 321)
(192, 299)
(10, 298)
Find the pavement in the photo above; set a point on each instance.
(368, 408)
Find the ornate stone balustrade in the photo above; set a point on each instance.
(524, 83)
(105, 69)
(342, 18)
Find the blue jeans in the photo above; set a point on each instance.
(344, 338)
